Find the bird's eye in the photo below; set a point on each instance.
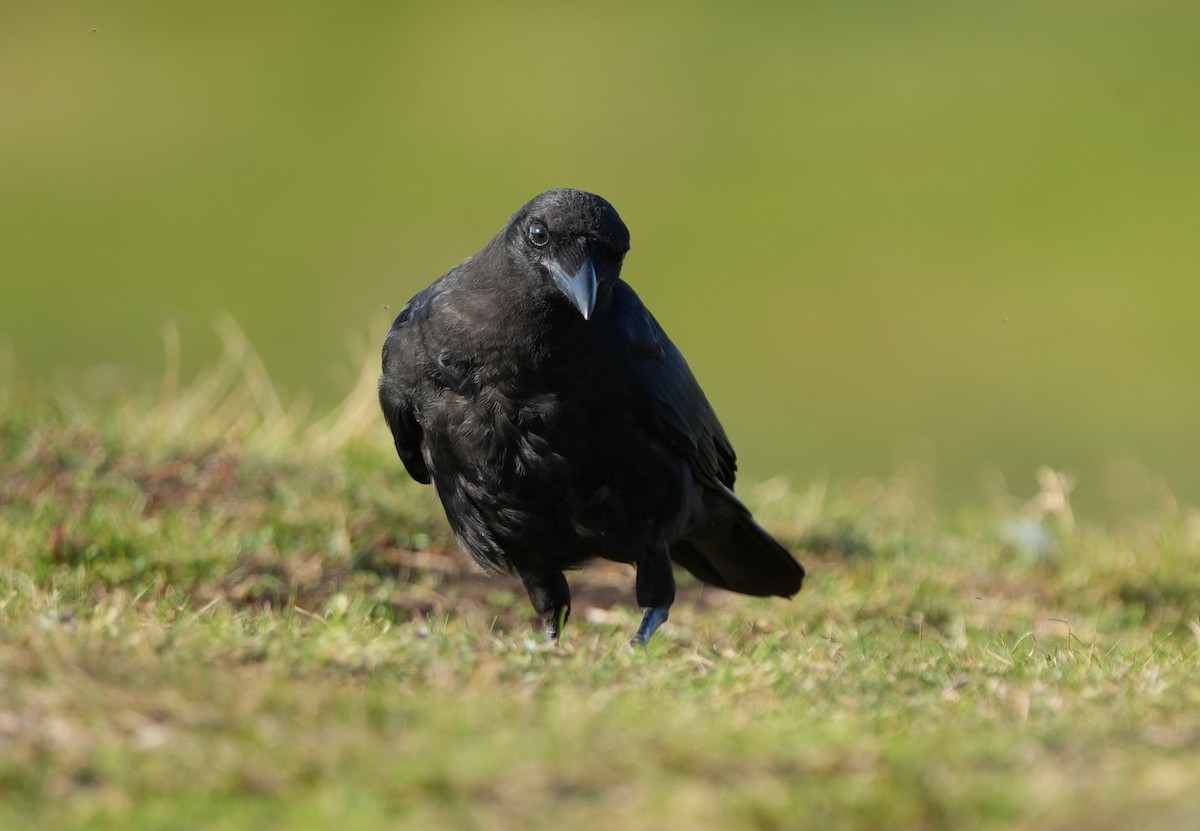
(538, 234)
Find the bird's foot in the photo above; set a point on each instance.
(652, 618)
(555, 624)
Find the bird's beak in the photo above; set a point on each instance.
(580, 287)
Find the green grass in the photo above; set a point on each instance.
(217, 613)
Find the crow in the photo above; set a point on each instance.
(558, 424)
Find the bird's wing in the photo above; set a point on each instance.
(398, 386)
(675, 408)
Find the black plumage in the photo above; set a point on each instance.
(559, 424)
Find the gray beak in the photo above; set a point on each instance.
(580, 287)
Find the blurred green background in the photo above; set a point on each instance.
(961, 235)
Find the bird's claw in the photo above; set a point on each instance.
(556, 621)
(652, 618)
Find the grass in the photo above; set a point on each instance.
(216, 612)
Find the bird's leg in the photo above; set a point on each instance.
(655, 592)
(652, 618)
(551, 599)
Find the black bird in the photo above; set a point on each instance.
(559, 424)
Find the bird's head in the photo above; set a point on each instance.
(572, 242)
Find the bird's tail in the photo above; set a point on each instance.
(732, 551)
